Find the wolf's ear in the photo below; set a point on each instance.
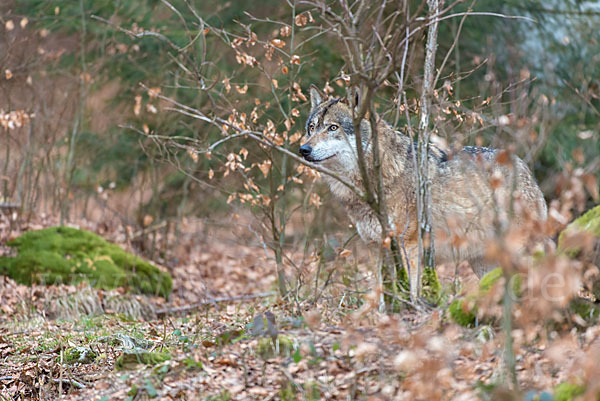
(316, 96)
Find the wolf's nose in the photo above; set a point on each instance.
(305, 150)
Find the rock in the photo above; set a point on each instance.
(130, 359)
(65, 255)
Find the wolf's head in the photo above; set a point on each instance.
(330, 137)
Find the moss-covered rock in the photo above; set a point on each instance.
(464, 310)
(588, 223)
(67, 255)
(79, 355)
(130, 359)
(567, 391)
(489, 279)
(492, 277)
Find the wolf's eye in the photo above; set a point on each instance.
(333, 127)
(311, 127)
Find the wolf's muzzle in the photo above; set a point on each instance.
(305, 150)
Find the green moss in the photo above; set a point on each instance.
(192, 364)
(130, 359)
(589, 221)
(65, 255)
(567, 391)
(538, 256)
(492, 277)
(463, 312)
(229, 336)
(267, 350)
(402, 278)
(489, 279)
(287, 392)
(79, 355)
(432, 289)
(401, 285)
(312, 391)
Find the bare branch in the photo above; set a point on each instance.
(259, 137)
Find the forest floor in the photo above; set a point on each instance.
(332, 346)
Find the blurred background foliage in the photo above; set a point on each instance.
(533, 83)
(557, 55)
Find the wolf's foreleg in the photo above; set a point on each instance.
(369, 230)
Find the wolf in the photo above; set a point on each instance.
(472, 189)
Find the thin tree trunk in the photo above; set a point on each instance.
(426, 255)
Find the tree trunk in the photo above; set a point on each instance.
(426, 255)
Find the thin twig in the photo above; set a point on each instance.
(69, 381)
(149, 230)
(454, 44)
(479, 13)
(400, 299)
(137, 35)
(213, 301)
